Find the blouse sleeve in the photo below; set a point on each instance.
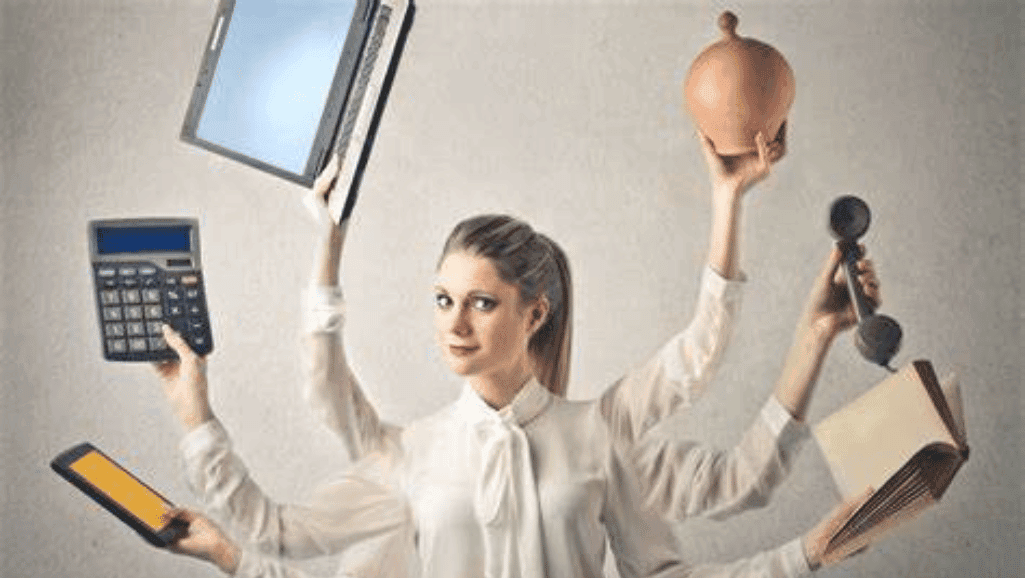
(357, 508)
(332, 390)
(681, 370)
(645, 547)
(642, 543)
(787, 561)
(681, 478)
(379, 560)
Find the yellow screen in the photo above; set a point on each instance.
(131, 494)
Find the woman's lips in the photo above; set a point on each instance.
(462, 350)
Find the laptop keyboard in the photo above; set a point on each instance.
(366, 67)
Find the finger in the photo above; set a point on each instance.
(778, 146)
(316, 206)
(860, 259)
(760, 168)
(866, 271)
(843, 512)
(708, 148)
(763, 151)
(176, 342)
(781, 136)
(163, 367)
(865, 266)
(867, 278)
(325, 181)
(858, 501)
(831, 269)
(330, 170)
(872, 293)
(177, 513)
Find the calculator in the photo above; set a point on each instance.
(147, 271)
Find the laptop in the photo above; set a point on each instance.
(285, 83)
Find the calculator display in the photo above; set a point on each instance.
(147, 273)
(111, 240)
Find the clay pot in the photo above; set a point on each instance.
(737, 87)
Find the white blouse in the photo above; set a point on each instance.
(530, 490)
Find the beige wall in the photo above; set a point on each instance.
(566, 115)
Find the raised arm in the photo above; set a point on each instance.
(731, 178)
(682, 478)
(332, 390)
(798, 557)
(682, 369)
(638, 538)
(358, 508)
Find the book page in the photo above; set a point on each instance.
(844, 548)
(951, 386)
(872, 437)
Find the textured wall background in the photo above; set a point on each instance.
(569, 115)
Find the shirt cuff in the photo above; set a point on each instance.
(202, 439)
(715, 284)
(776, 415)
(324, 310)
(794, 561)
(248, 565)
(782, 425)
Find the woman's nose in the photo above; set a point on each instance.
(459, 324)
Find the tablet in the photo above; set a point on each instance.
(136, 504)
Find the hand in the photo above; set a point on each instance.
(734, 175)
(184, 381)
(204, 540)
(317, 200)
(326, 261)
(829, 309)
(816, 541)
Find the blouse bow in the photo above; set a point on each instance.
(506, 500)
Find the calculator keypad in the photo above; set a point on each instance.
(135, 299)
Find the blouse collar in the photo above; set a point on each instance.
(528, 403)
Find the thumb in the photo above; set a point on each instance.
(176, 342)
(178, 513)
(831, 266)
(708, 149)
(764, 163)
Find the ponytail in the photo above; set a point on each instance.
(550, 345)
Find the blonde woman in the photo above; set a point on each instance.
(512, 479)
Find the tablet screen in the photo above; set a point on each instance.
(272, 80)
(123, 488)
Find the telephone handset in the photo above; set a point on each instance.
(878, 336)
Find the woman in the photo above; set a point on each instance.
(512, 479)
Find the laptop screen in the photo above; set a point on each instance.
(274, 79)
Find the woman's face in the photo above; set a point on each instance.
(480, 323)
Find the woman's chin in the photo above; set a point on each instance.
(460, 367)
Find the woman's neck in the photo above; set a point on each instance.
(499, 388)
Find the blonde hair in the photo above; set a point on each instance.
(538, 267)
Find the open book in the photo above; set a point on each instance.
(904, 438)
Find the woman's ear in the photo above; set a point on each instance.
(538, 314)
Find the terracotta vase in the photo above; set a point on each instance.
(737, 87)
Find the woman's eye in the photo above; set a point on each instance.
(442, 301)
(484, 303)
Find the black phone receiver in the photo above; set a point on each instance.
(877, 336)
